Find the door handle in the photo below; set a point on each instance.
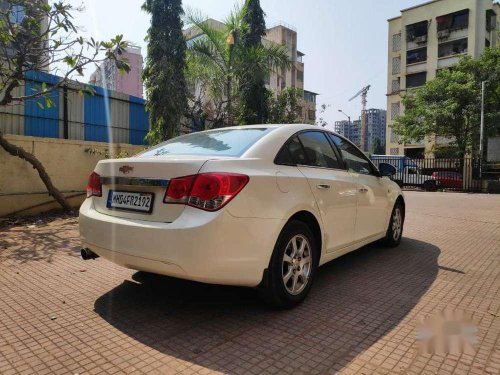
(323, 186)
(363, 190)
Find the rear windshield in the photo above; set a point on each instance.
(230, 142)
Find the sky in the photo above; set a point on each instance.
(345, 41)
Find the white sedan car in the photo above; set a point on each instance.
(256, 206)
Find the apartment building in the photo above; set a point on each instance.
(108, 76)
(17, 14)
(277, 81)
(426, 38)
(375, 120)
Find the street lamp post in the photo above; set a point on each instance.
(481, 131)
(349, 122)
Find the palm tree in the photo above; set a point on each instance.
(217, 61)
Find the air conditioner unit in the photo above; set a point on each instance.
(421, 39)
(443, 34)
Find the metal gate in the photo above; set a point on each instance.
(432, 174)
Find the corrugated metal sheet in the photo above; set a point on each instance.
(40, 119)
(139, 121)
(105, 116)
(76, 119)
(120, 118)
(12, 116)
(97, 117)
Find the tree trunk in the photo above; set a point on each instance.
(35, 163)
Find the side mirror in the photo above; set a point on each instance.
(387, 170)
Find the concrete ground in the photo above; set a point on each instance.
(61, 315)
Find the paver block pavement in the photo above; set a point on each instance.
(61, 315)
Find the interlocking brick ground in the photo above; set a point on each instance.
(61, 315)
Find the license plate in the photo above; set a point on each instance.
(130, 201)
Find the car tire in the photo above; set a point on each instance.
(429, 186)
(292, 267)
(396, 225)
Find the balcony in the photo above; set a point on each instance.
(416, 56)
(453, 21)
(416, 35)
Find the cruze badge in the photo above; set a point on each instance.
(126, 169)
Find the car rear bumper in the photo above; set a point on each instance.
(211, 247)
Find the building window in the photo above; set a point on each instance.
(487, 43)
(309, 97)
(396, 65)
(394, 137)
(396, 85)
(453, 21)
(416, 56)
(396, 42)
(300, 76)
(311, 114)
(395, 110)
(455, 47)
(491, 20)
(416, 80)
(394, 151)
(417, 32)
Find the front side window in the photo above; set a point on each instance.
(318, 150)
(354, 158)
(230, 142)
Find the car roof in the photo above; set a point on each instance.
(268, 146)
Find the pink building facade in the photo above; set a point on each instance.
(108, 76)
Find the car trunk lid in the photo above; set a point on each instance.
(137, 178)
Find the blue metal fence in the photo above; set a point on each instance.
(41, 117)
(97, 116)
(106, 116)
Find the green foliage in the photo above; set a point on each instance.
(285, 107)
(321, 119)
(43, 37)
(106, 153)
(450, 104)
(218, 62)
(163, 75)
(37, 35)
(378, 148)
(254, 18)
(253, 108)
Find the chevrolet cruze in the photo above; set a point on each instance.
(256, 206)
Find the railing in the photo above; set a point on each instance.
(432, 174)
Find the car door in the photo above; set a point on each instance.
(333, 188)
(373, 201)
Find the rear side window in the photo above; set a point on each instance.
(230, 142)
(296, 151)
(318, 150)
(356, 161)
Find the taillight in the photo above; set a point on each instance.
(94, 187)
(207, 191)
(178, 190)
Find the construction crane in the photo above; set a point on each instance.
(363, 92)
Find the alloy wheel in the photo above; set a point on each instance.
(397, 224)
(297, 264)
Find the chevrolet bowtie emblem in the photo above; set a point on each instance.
(126, 169)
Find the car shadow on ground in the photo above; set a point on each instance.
(355, 301)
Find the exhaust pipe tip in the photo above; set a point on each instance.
(88, 254)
